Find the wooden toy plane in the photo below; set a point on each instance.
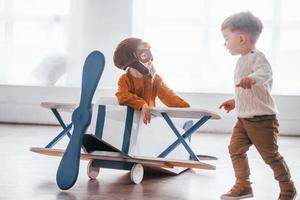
(190, 113)
(100, 153)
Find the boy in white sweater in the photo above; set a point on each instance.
(256, 110)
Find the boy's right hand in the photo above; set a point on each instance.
(228, 105)
(146, 113)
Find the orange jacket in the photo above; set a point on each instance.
(135, 92)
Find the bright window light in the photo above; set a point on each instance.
(30, 31)
(188, 45)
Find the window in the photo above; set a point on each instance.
(188, 46)
(29, 31)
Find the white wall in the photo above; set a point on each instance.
(101, 25)
(21, 104)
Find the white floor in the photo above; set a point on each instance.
(25, 175)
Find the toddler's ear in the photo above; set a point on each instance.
(243, 39)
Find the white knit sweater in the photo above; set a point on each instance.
(257, 100)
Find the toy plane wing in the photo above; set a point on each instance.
(191, 113)
(66, 107)
(117, 156)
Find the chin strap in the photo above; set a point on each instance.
(139, 67)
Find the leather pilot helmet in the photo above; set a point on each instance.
(126, 55)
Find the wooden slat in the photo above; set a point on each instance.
(179, 163)
(86, 156)
(162, 162)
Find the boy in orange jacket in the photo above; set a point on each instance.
(140, 85)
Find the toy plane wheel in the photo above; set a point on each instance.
(92, 172)
(137, 173)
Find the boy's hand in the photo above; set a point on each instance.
(228, 105)
(146, 113)
(246, 83)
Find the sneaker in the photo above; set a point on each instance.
(240, 190)
(287, 191)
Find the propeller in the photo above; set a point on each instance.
(67, 172)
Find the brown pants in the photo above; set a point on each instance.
(262, 131)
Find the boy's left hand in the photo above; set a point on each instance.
(246, 83)
(146, 114)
